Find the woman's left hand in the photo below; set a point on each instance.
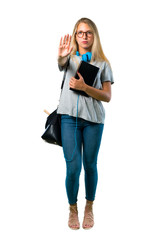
(78, 84)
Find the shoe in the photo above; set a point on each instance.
(88, 221)
(73, 221)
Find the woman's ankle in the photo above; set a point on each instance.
(89, 205)
(73, 206)
(88, 202)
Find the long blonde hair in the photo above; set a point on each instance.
(97, 51)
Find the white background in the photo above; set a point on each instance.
(33, 202)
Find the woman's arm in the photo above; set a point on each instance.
(101, 95)
(64, 49)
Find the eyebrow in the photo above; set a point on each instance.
(89, 30)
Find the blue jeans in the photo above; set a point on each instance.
(80, 136)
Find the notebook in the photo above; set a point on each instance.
(88, 72)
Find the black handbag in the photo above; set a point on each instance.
(52, 132)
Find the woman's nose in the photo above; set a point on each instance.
(84, 35)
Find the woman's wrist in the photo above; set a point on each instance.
(62, 60)
(84, 87)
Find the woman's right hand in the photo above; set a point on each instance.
(64, 47)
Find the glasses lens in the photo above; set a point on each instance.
(80, 34)
(89, 34)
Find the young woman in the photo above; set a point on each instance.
(82, 118)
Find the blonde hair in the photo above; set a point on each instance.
(97, 51)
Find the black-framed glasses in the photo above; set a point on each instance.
(80, 34)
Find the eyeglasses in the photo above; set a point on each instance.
(80, 34)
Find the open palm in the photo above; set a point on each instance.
(64, 47)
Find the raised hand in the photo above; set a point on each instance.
(64, 47)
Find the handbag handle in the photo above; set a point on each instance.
(46, 112)
(64, 76)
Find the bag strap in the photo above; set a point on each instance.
(64, 76)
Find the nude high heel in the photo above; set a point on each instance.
(73, 221)
(88, 221)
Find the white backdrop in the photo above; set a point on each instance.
(33, 202)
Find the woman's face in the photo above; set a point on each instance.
(84, 38)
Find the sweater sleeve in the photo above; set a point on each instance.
(107, 75)
(61, 68)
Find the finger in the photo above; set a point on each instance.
(71, 83)
(67, 39)
(72, 79)
(64, 40)
(70, 49)
(70, 38)
(60, 44)
(80, 76)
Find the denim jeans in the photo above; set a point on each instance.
(81, 142)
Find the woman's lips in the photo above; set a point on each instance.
(85, 42)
